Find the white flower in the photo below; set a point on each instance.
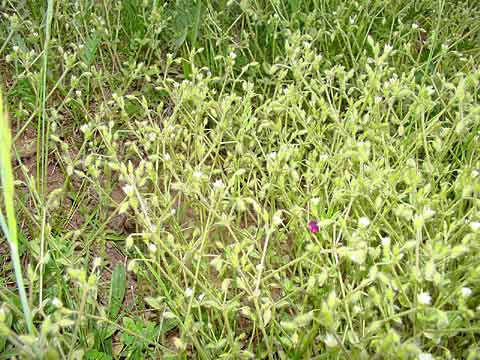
(128, 189)
(277, 219)
(385, 241)
(466, 291)
(56, 302)
(425, 356)
(414, 26)
(475, 226)
(364, 222)
(424, 298)
(166, 157)
(428, 213)
(197, 174)
(323, 157)
(84, 128)
(152, 248)
(232, 55)
(218, 184)
(152, 136)
(188, 292)
(330, 341)
(272, 155)
(97, 262)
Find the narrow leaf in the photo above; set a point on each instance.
(117, 290)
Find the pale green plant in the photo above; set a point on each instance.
(196, 141)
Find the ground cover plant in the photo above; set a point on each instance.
(240, 179)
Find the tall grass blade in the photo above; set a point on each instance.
(42, 141)
(9, 224)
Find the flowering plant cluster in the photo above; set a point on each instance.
(247, 179)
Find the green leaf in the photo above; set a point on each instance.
(90, 49)
(168, 325)
(96, 355)
(117, 290)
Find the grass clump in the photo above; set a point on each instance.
(245, 179)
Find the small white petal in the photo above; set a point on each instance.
(152, 248)
(97, 262)
(424, 298)
(363, 222)
(428, 213)
(331, 341)
(385, 241)
(475, 226)
(425, 356)
(128, 189)
(218, 184)
(277, 219)
(56, 302)
(466, 291)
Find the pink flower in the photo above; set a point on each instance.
(313, 226)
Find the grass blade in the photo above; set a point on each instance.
(9, 225)
(117, 290)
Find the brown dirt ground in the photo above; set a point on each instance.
(120, 224)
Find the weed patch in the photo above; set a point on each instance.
(241, 179)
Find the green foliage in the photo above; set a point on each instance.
(117, 290)
(186, 146)
(135, 347)
(90, 49)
